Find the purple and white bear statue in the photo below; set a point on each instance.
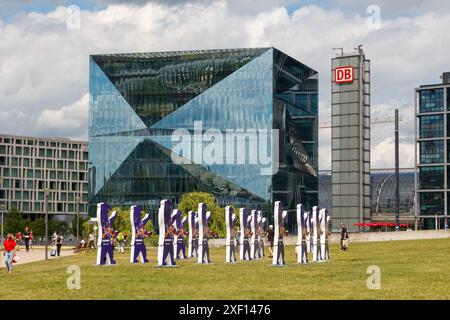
(204, 234)
(280, 218)
(245, 234)
(166, 234)
(230, 223)
(193, 234)
(138, 233)
(179, 248)
(105, 250)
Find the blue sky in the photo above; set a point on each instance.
(350, 7)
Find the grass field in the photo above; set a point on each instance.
(409, 270)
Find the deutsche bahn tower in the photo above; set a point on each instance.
(350, 118)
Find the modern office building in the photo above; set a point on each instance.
(142, 105)
(350, 120)
(30, 165)
(433, 153)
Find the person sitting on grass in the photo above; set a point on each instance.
(81, 245)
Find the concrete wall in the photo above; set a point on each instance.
(385, 236)
(367, 237)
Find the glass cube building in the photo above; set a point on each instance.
(433, 154)
(143, 106)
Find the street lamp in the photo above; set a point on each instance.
(78, 200)
(95, 234)
(47, 192)
(2, 208)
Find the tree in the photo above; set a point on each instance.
(37, 226)
(73, 225)
(190, 201)
(58, 226)
(123, 223)
(14, 221)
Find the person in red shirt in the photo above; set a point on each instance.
(9, 247)
(31, 239)
(18, 239)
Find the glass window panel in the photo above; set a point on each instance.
(431, 177)
(431, 100)
(431, 151)
(431, 126)
(431, 203)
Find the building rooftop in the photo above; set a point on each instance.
(445, 81)
(43, 138)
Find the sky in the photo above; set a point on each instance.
(45, 47)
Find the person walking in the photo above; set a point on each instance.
(54, 237)
(120, 242)
(18, 239)
(31, 239)
(238, 236)
(91, 241)
(269, 238)
(9, 247)
(344, 237)
(26, 237)
(59, 243)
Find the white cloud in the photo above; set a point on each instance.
(73, 118)
(384, 156)
(44, 64)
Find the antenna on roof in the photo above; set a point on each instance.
(341, 51)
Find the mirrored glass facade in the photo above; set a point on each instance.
(431, 100)
(143, 105)
(432, 158)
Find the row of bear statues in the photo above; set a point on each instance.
(313, 232)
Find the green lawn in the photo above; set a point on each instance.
(409, 270)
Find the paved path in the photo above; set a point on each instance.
(34, 255)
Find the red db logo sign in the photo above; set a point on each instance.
(343, 74)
